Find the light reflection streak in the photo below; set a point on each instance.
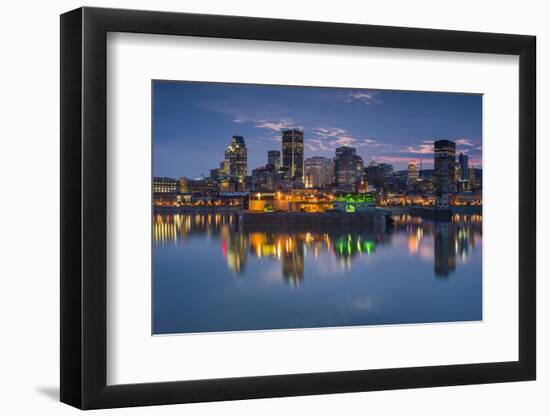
(449, 241)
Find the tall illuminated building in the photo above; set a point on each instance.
(472, 174)
(348, 167)
(223, 170)
(293, 153)
(444, 172)
(318, 172)
(274, 158)
(236, 155)
(412, 172)
(463, 163)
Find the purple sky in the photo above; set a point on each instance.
(193, 123)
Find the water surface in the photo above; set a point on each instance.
(210, 275)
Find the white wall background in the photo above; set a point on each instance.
(29, 213)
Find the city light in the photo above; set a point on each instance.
(288, 182)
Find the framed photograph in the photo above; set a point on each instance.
(258, 208)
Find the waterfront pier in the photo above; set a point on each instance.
(377, 218)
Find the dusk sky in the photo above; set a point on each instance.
(193, 123)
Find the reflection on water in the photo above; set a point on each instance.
(204, 261)
(449, 240)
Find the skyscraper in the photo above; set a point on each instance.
(348, 167)
(293, 153)
(444, 172)
(274, 158)
(263, 178)
(236, 154)
(412, 172)
(318, 172)
(463, 163)
(223, 170)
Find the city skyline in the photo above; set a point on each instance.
(272, 204)
(388, 126)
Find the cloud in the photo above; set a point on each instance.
(425, 148)
(345, 140)
(329, 132)
(403, 160)
(464, 142)
(365, 97)
(273, 124)
(370, 141)
(330, 138)
(316, 145)
(475, 161)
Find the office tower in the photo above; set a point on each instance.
(463, 163)
(387, 169)
(412, 172)
(236, 155)
(274, 158)
(348, 167)
(373, 175)
(318, 172)
(264, 178)
(223, 170)
(444, 172)
(293, 153)
(472, 174)
(215, 174)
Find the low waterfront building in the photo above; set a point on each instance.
(354, 202)
(304, 200)
(171, 199)
(468, 198)
(204, 186)
(164, 185)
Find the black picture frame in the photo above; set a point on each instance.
(84, 207)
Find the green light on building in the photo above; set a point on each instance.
(354, 202)
(351, 198)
